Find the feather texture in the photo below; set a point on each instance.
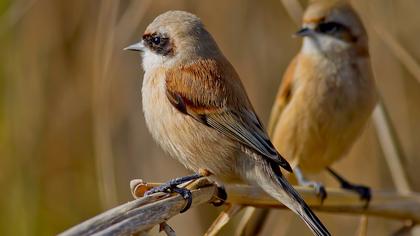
(215, 104)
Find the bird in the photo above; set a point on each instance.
(327, 94)
(197, 110)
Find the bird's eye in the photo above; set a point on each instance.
(158, 43)
(330, 27)
(156, 40)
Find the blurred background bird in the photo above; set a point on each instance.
(327, 93)
(72, 131)
(326, 96)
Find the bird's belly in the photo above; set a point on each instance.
(190, 142)
(316, 134)
(325, 144)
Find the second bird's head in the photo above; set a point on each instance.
(333, 26)
(175, 38)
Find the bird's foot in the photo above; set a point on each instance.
(172, 187)
(319, 189)
(186, 194)
(221, 197)
(363, 191)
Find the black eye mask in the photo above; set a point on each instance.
(336, 30)
(158, 43)
(330, 28)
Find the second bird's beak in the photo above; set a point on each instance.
(304, 32)
(136, 47)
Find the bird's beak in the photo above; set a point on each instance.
(136, 47)
(304, 32)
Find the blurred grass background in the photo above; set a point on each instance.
(72, 133)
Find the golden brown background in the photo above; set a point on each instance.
(72, 132)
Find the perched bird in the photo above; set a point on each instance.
(196, 108)
(327, 93)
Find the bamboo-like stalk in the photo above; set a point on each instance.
(391, 149)
(224, 217)
(104, 41)
(384, 204)
(252, 221)
(144, 213)
(110, 32)
(406, 59)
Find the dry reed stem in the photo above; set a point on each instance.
(109, 31)
(164, 227)
(144, 213)
(245, 220)
(363, 225)
(104, 42)
(390, 148)
(406, 59)
(252, 221)
(224, 217)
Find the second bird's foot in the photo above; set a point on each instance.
(363, 191)
(319, 189)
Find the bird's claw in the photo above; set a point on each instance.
(363, 191)
(320, 190)
(172, 187)
(221, 197)
(186, 194)
(168, 188)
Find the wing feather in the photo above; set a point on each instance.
(202, 91)
(283, 97)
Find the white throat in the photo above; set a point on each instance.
(152, 60)
(323, 44)
(309, 46)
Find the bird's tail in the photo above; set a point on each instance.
(271, 180)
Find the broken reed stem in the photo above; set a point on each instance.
(224, 217)
(144, 213)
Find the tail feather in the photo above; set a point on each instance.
(281, 190)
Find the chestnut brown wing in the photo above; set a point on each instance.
(203, 91)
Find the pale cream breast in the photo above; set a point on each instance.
(190, 142)
(330, 105)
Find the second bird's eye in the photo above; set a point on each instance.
(330, 27)
(156, 40)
